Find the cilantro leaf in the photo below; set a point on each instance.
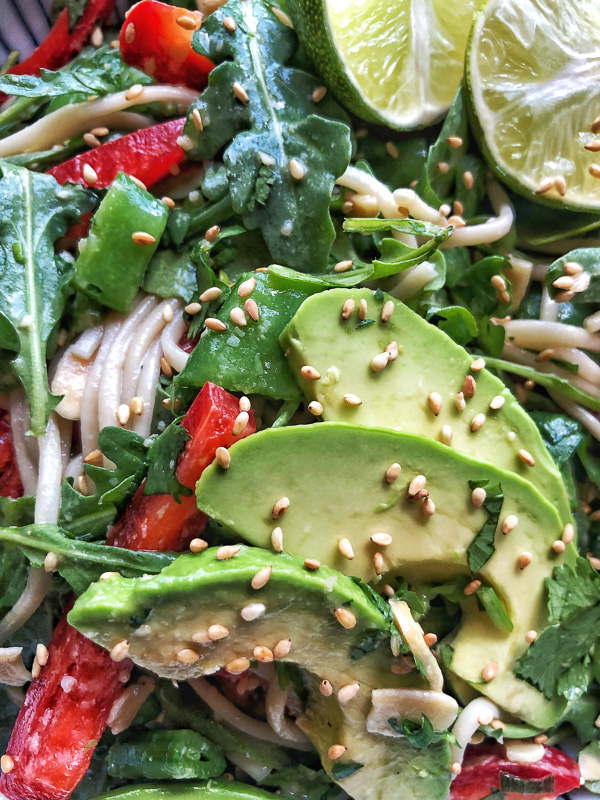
(341, 771)
(278, 123)
(572, 589)
(419, 734)
(482, 547)
(162, 462)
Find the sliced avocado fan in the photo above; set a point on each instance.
(397, 396)
(334, 476)
(315, 619)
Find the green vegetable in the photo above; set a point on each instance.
(589, 259)
(303, 783)
(165, 754)
(419, 734)
(34, 212)
(341, 771)
(562, 435)
(492, 605)
(162, 462)
(482, 547)
(537, 786)
(111, 264)
(171, 274)
(210, 790)
(280, 122)
(81, 563)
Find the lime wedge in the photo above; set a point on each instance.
(533, 72)
(396, 62)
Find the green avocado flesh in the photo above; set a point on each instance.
(159, 615)
(334, 475)
(194, 790)
(397, 397)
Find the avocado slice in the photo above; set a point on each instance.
(398, 396)
(163, 615)
(334, 475)
(189, 790)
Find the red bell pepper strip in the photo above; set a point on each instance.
(158, 522)
(147, 154)
(154, 41)
(10, 478)
(484, 763)
(61, 721)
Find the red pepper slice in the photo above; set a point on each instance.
(158, 522)
(484, 763)
(154, 41)
(147, 154)
(10, 478)
(59, 724)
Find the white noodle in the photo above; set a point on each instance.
(77, 118)
(74, 467)
(561, 247)
(19, 423)
(588, 368)
(89, 401)
(587, 418)
(38, 583)
(254, 769)
(592, 323)
(491, 230)
(520, 277)
(146, 389)
(149, 328)
(411, 281)
(519, 355)
(275, 704)
(171, 335)
(548, 308)
(538, 272)
(128, 703)
(468, 722)
(539, 335)
(87, 344)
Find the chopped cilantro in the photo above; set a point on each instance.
(419, 734)
(482, 547)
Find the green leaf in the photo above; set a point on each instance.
(572, 589)
(171, 274)
(280, 122)
(34, 212)
(562, 435)
(494, 608)
(456, 321)
(300, 783)
(81, 563)
(589, 259)
(341, 771)
(482, 547)
(162, 459)
(419, 735)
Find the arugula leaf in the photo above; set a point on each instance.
(34, 212)
(562, 435)
(456, 321)
(419, 734)
(278, 123)
(162, 462)
(482, 547)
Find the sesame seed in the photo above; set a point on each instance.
(107, 576)
(211, 234)
(527, 458)
(593, 146)
(185, 143)
(35, 668)
(197, 119)
(345, 548)
(428, 507)
(41, 653)
(238, 317)
(469, 386)
(489, 672)
(352, 400)
(187, 656)
(545, 185)
(347, 207)
(245, 404)
(315, 408)
(90, 176)
(142, 238)
(193, 308)
(252, 611)
(310, 373)
(497, 402)
(326, 688)
(564, 282)
(318, 94)
(443, 167)
(435, 402)
(134, 91)
(382, 539)
(471, 587)
(198, 545)
(343, 266)
(130, 33)
(541, 738)
(392, 472)
(455, 142)
(430, 639)
(387, 310)
(459, 401)
(280, 507)
(95, 458)
(347, 308)
(120, 651)
(282, 17)
(91, 140)
(237, 665)
(282, 648)
(246, 287)
(223, 457)
(468, 180)
(240, 423)
(345, 617)
(594, 170)
(392, 350)
(380, 362)
(297, 169)
(136, 404)
(240, 92)
(446, 434)
(595, 562)
(81, 485)
(312, 564)
(229, 24)
(227, 551)
(378, 563)
(595, 128)
(214, 324)
(263, 654)
(416, 486)
(456, 768)
(444, 209)
(497, 725)
(392, 149)
(50, 562)
(597, 722)
(568, 533)
(251, 308)
(458, 208)
(217, 631)
(362, 309)
(166, 368)
(478, 364)
(261, 578)
(560, 185)
(525, 560)
(477, 422)
(201, 637)
(277, 540)
(336, 751)
(564, 297)
(457, 221)
(559, 546)
(531, 636)
(478, 496)
(122, 414)
(510, 522)
(6, 764)
(573, 268)
(347, 692)
(187, 22)
(166, 403)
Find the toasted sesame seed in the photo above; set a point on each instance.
(527, 458)
(136, 404)
(573, 268)
(345, 617)
(352, 400)
(497, 725)
(187, 656)
(198, 545)
(188, 22)
(348, 692)
(541, 738)
(282, 648)
(428, 507)
(210, 294)
(595, 562)
(458, 208)
(478, 496)
(91, 140)
(345, 548)
(297, 169)
(35, 668)
(381, 539)
(595, 128)
(387, 310)
(347, 308)
(392, 149)
(212, 233)
(559, 546)
(90, 176)
(6, 764)
(457, 221)
(531, 636)
(277, 540)
(280, 507)
(50, 562)
(380, 362)
(446, 434)
(430, 639)
(41, 653)
(343, 266)
(455, 142)
(509, 523)
(166, 368)
(193, 308)
(240, 423)
(378, 563)
(468, 180)
(227, 551)
(597, 722)
(443, 167)
(223, 457)
(312, 564)
(459, 401)
(81, 485)
(456, 768)
(246, 287)
(593, 146)
(416, 486)
(336, 751)
(392, 472)
(568, 533)
(362, 309)
(95, 458)
(185, 143)
(134, 91)
(123, 414)
(498, 283)
(252, 611)
(240, 92)
(107, 576)
(326, 688)
(315, 408)
(478, 365)
(545, 185)
(525, 560)
(251, 308)
(560, 185)
(489, 672)
(197, 119)
(217, 631)
(237, 665)
(497, 402)
(310, 373)
(263, 654)
(261, 578)
(238, 317)
(201, 637)
(142, 238)
(469, 386)
(282, 17)
(564, 297)
(348, 207)
(229, 24)
(318, 94)
(564, 282)
(477, 422)
(444, 209)
(120, 650)
(392, 350)
(166, 403)
(471, 587)
(435, 402)
(130, 33)
(594, 170)
(214, 324)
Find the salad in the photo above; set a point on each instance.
(299, 402)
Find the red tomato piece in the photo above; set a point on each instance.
(64, 715)
(147, 154)
(484, 763)
(10, 478)
(154, 41)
